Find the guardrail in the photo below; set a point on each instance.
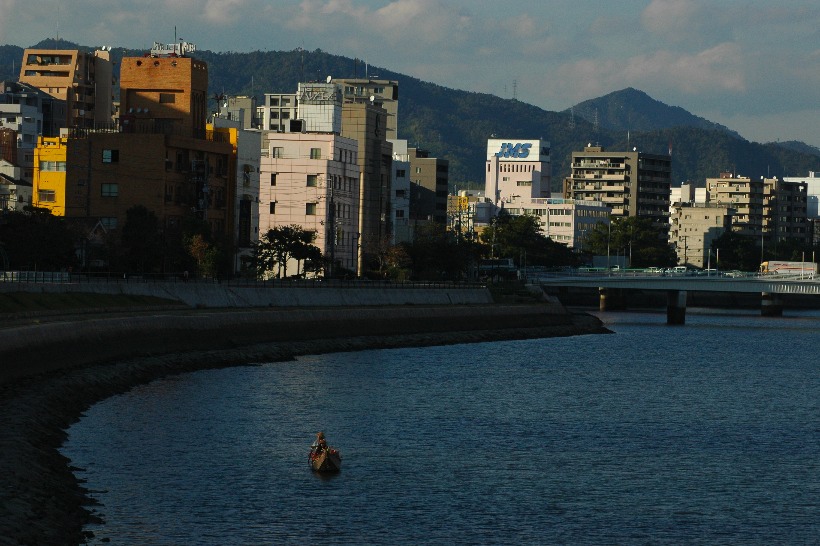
(63, 277)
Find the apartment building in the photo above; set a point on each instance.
(403, 228)
(743, 194)
(565, 221)
(29, 113)
(278, 112)
(812, 192)
(160, 156)
(631, 183)
(693, 228)
(366, 124)
(429, 183)
(15, 193)
(785, 206)
(767, 208)
(312, 180)
(84, 81)
(384, 93)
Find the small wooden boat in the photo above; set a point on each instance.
(327, 460)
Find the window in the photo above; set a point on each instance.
(272, 209)
(400, 213)
(278, 152)
(46, 196)
(110, 190)
(400, 173)
(286, 115)
(52, 166)
(401, 194)
(310, 209)
(316, 153)
(311, 180)
(110, 156)
(109, 222)
(167, 98)
(418, 170)
(272, 179)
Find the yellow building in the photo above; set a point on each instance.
(49, 185)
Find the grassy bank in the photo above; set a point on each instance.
(34, 302)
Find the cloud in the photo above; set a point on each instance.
(672, 19)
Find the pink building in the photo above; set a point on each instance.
(312, 180)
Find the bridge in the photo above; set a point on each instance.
(770, 287)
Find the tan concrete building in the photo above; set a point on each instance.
(367, 125)
(743, 194)
(83, 80)
(693, 228)
(631, 183)
(429, 183)
(385, 93)
(785, 206)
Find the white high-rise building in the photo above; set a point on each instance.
(517, 169)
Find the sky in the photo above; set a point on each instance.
(752, 65)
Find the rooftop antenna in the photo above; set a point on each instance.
(571, 118)
(515, 89)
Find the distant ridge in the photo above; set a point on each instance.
(633, 110)
(455, 124)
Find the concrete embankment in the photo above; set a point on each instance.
(52, 372)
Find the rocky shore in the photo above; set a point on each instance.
(42, 502)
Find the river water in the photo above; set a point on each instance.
(707, 433)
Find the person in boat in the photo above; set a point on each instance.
(319, 444)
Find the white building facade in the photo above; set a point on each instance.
(312, 180)
(517, 170)
(565, 221)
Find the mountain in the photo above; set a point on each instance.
(455, 124)
(633, 110)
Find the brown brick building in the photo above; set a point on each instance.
(161, 156)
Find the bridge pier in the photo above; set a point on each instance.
(610, 299)
(771, 305)
(676, 307)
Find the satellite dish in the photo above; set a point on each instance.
(372, 98)
(634, 148)
(328, 79)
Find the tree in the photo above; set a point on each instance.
(520, 238)
(281, 244)
(737, 251)
(35, 239)
(638, 237)
(141, 240)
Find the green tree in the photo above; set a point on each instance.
(736, 251)
(636, 237)
(37, 240)
(281, 244)
(520, 238)
(141, 240)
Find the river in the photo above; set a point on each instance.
(707, 433)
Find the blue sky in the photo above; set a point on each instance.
(752, 65)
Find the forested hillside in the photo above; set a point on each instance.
(456, 124)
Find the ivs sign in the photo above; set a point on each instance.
(519, 150)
